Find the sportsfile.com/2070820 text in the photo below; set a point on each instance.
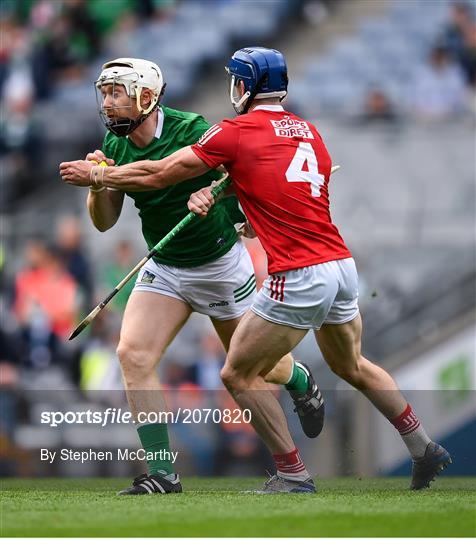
(111, 415)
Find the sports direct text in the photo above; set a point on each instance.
(112, 415)
(292, 127)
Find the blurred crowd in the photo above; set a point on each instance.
(459, 40)
(445, 86)
(50, 41)
(441, 87)
(47, 45)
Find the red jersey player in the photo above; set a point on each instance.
(280, 169)
(281, 179)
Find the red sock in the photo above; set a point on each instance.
(291, 465)
(407, 422)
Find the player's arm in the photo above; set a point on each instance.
(104, 205)
(139, 176)
(146, 175)
(216, 147)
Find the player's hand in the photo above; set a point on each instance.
(246, 230)
(98, 156)
(77, 173)
(201, 201)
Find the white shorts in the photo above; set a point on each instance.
(223, 289)
(309, 297)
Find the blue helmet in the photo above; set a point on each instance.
(263, 72)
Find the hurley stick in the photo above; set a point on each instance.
(165, 240)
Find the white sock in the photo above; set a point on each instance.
(412, 432)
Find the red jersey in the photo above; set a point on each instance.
(280, 169)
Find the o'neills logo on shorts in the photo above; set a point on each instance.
(290, 127)
(218, 304)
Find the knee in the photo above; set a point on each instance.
(136, 363)
(349, 371)
(232, 379)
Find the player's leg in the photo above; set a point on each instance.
(256, 347)
(282, 371)
(224, 290)
(340, 344)
(295, 376)
(150, 323)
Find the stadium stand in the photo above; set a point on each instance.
(388, 52)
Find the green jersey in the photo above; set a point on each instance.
(160, 210)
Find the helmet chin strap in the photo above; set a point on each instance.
(240, 106)
(125, 126)
(237, 105)
(152, 105)
(244, 103)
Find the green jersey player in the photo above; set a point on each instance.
(204, 269)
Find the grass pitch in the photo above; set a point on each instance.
(215, 507)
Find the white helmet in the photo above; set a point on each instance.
(134, 74)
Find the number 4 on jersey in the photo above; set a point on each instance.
(296, 173)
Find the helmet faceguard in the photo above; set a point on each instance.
(134, 75)
(263, 73)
